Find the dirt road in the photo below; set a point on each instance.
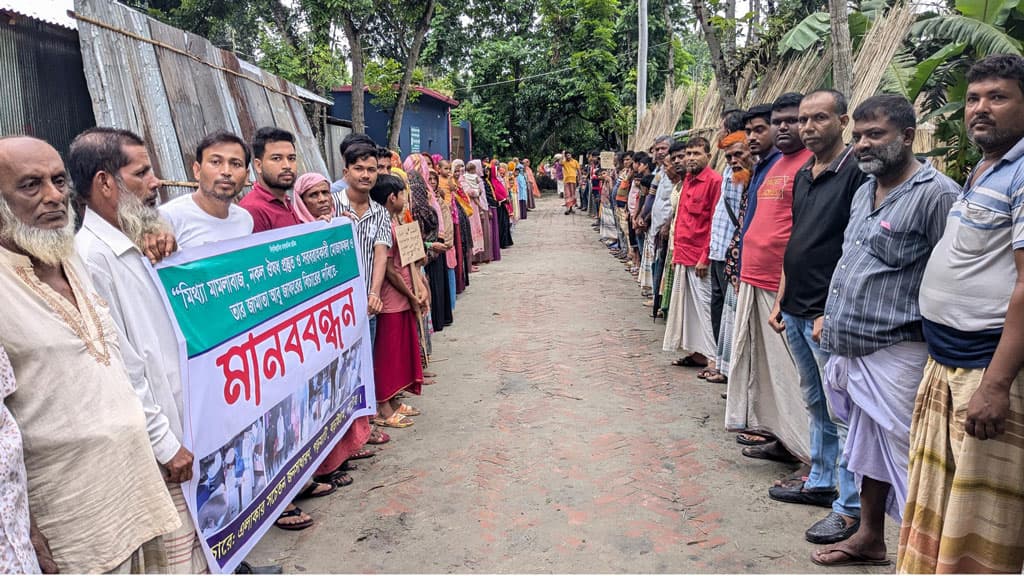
(557, 439)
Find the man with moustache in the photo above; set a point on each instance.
(114, 178)
(872, 322)
(96, 498)
(688, 322)
(210, 214)
(822, 194)
(274, 161)
(762, 391)
(966, 499)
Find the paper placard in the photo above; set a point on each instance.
(607, 160)
(410, 243)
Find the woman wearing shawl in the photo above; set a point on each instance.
(470, 209)
(473, 186)
(459, 203)
(504, 208)
(444, 214)
(427, 212)
(447, 195)
(508, 177)
(313, 202)
(492, 210)
(532, 182)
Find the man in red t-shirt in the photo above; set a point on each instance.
(763, 380)
(689, 314)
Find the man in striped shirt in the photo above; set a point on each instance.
(872, 324)
(966, 500)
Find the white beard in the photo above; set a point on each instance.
(50, 247)
(136, 219)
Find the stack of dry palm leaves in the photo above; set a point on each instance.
(661, 118)
(806, 71)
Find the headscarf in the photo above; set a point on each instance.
(457, 188)
(436, 159)
(417, 163)
(532, 181)
(500, 193)
(304, 184)
(422, 211)
(741, 176)
(475, 183)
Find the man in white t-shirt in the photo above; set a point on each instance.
(210, 214)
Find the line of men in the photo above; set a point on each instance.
(865, 312)
(91, 452)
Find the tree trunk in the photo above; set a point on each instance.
(723, 73)
(753, 37)
(355, 44)
(842, 49)
(670, 78)
(641, 63)
(410, 64)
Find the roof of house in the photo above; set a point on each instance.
(421, 89)
(49, 11)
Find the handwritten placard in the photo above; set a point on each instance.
(410, 243)
(607, 160)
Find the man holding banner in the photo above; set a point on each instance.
(114, 177)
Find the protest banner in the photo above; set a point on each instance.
(607, 160)
(277, 364)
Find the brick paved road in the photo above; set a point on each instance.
(558, 439)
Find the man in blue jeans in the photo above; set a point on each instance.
(822, 193)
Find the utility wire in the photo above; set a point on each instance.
(560, 70)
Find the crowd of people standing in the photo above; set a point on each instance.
(863, 312)
(82, 308)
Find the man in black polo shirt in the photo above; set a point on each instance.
(822, 194)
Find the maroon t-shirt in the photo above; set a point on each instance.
(268, 212)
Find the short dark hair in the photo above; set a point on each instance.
(677, 146)
(222, 137)
(359, 151)
(895, 107)
(1008, 66)
(762, 111)
(643, 158)
(787, 100)
(269, 134)
(699, 142)
(383, 152)
(838, 98)
(734, 119)
(647, 180)
(385, 186)
(99, 149)
(351, 138)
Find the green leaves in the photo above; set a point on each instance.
(811, 30)
(983, 37)
(994, 12)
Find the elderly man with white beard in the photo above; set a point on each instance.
(94, 490)
(114, 178)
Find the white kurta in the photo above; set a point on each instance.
(93, 484)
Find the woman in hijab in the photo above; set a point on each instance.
(472, 212)
(472, 185)
(504, 209)
(523, 188)
(445, 215)
(427, 212)
(313, 202)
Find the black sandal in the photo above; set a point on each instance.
(294, 512)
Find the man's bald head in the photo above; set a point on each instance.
(35, 213)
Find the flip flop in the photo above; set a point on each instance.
(750, 439)
(310, 491)
(395, 421)
(362, 454)
(689, 362)
(851, 559)
(706, 373)
(294, 512)
(406, 410)
(763, 453)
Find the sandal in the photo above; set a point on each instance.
(717, 378)
(293, 513)
(689, 362)
(311, 490)
(753, 439)
(362, 454)
(395, 421)
(406, 410)
(770, 451)
(337, 479)
(378, 437)
(706, 373)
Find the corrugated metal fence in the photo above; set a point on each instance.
(42, 87)
(173, 87)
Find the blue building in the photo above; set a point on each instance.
(426, 123)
